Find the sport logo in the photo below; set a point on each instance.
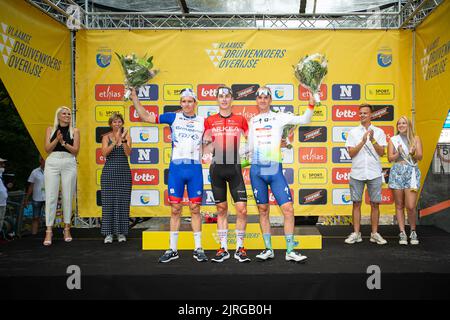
(303, 94)
(134, 116)
(109, 92)
(282, 92)
(313, 176)
(312, 196)
(172, 91)
(341, 155)
(144, 156)
(379, 92)
(313, 155)
(345, 113)
(102, 113)
(340, 175)
(346, 92)
(145, 176)
(207, 92)
(244, 91)
(312, 134)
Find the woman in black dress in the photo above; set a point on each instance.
(116, 181)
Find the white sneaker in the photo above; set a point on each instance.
(294, 256)
(403, 238)
(121, 238)
(108, 239)
(413, 238)
(266, 254)
(377, 238)
(354, 237)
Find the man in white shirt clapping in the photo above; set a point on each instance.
(365, 145)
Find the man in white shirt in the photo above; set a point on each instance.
(37, 189)
(365, 145)
(3, 194)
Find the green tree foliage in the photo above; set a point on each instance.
(16, 144)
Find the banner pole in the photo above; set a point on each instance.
(413, 89)
(74, 107)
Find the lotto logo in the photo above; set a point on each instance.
(340, 175)
(346, 92)
(345, 113)
(145, 176)
(134, 116)
(207, 92)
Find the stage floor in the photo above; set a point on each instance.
(28, 270)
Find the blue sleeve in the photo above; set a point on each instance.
(168, 118)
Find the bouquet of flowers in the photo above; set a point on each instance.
(310, 71)
(138, 71)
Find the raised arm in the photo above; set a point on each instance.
(143, 114)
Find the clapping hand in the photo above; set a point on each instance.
(60, 137)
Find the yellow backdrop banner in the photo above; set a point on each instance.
(432, 72)
(364, 66)
(34, 65)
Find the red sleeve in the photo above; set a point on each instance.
(207, 131)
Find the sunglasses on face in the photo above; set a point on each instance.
(263, 91)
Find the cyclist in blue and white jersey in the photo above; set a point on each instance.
(185, 167)
(265, 133)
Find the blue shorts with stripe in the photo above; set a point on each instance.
(264, 175)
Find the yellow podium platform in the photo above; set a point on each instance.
(308, 237)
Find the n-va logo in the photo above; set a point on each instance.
(282, 108)
(144, 156)
(208, 198)
(289, 175)
(148, 92)
(346, 92)
(340, 155)
(384, 57)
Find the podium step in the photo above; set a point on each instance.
(157, 238)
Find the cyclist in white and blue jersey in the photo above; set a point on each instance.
(265, 133)
(185, 169)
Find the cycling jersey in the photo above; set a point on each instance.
(187, 135)
(225, 134)
(185, 166)
(265, 134)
